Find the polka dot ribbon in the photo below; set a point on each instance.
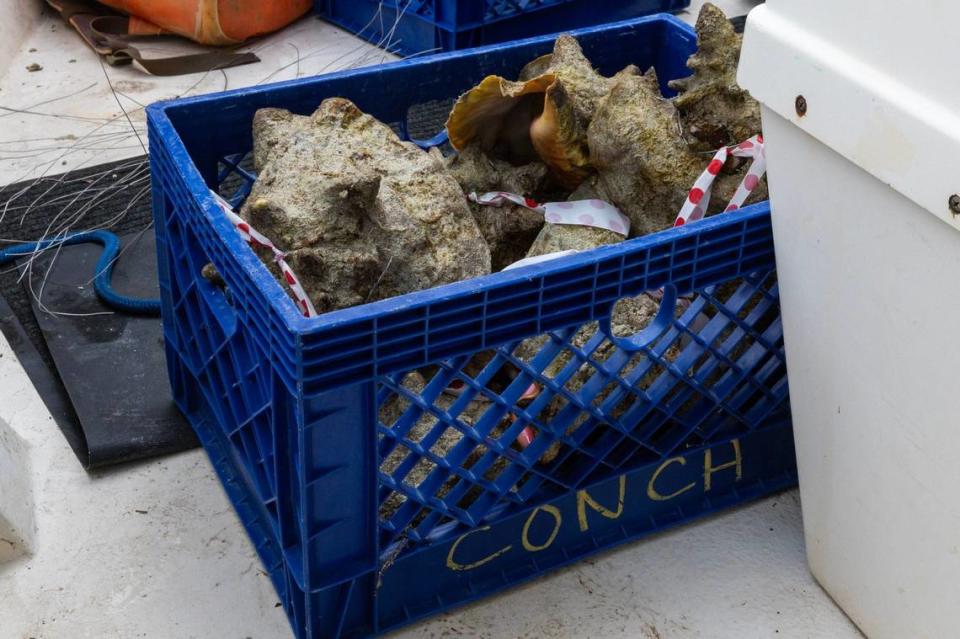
(255, 238)
(595, 213)
(699, 197)
(527, 435)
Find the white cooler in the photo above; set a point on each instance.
(861, 116)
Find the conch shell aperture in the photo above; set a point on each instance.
(543, 115)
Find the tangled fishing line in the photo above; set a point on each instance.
(72, 202)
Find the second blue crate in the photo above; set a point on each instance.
(416, 27)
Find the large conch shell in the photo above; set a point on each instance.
(542, 115)
(644, 167)
(714, 109)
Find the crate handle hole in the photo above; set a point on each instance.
(644, 337)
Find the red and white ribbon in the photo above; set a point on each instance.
(595, 213)
(699, 197)
(526, 436)
(255, 238)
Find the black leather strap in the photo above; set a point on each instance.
(107, 33)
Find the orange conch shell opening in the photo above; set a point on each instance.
(543, 115)
(495, 111)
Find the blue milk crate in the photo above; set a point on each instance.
(318, 426)
(411, 27)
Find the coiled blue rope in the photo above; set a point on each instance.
(104, 268)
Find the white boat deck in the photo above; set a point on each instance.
(154, 550)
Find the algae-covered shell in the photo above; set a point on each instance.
(714, 109)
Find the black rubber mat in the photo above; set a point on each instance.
(45, 380)
(38, 208)
(103, 377)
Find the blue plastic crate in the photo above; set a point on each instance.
(415, 27)
(314, 424)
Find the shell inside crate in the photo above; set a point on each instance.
(375, 494)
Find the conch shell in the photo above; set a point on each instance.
(361, 214)
(643, 166)
(714, 109)
(542, 115)
(509, 232)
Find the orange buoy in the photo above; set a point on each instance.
(217, 22)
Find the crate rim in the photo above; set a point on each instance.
(160, 121)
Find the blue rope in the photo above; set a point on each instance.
(104, 272)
